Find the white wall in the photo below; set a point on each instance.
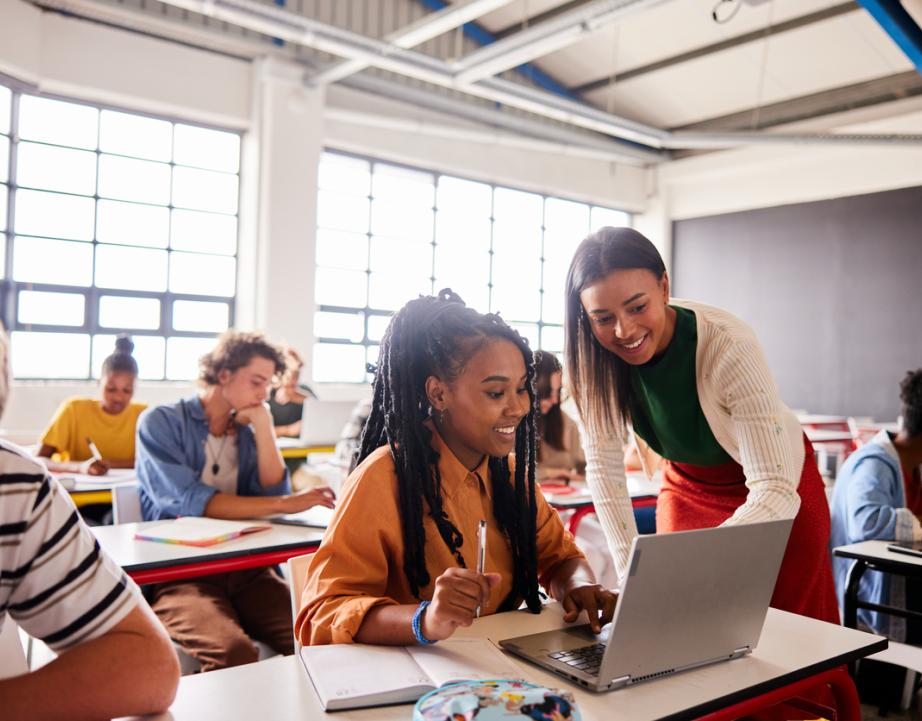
(284, 134)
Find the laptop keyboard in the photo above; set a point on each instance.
(587, 659)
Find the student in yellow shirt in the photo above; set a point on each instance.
(453, 397)
(110, 421)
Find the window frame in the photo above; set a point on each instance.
(91, 327)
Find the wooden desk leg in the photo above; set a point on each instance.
(843, 689)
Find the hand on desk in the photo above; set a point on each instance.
(301, 501)
(458, 592)
(598, 603)
(94, 467)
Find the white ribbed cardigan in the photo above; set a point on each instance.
(741, 404)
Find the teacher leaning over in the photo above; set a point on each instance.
(692, 382)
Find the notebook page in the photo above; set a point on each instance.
(194, 530)
(464, 659)
(353, 675)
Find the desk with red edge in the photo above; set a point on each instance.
(643, 493)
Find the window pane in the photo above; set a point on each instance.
(337, 363)
(341, 287)
(371, 356)
(377, 324)
(402, 185)
(346, 326)
(142, 181)
(49, 355)
(516, 285)
(202, 274)
(552, 338)
(148, 352)
(130, 268)
(182, 356)
(203, 232)
(50, 308)
(5, 101)
(63, 169)
(402, 220)
(4, 158)
(54, 215)
(529, 331)
(398, 256)
(344, 174)
(602, 217)
(465, 272)
(566, 217)
(199, 316)
(342, 212)
(555, 279)
(54, 121)
(466, 232)
(37, 260)
(390, 291)
(4, 195)
(118, 311)
(127, 134)
(336, 249)
(465, 198)
(132, 224)
(517, 208)
(205, 148)
(204, 190)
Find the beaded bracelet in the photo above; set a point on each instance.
(417, 624)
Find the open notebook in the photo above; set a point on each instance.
(194, 531)
(357, 675)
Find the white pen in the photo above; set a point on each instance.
(93, 449)
(481, 553)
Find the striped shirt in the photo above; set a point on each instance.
(55, 582)
(742, 406)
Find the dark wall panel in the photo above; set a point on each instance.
(832, 288)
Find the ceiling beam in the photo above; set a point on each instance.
(776, 29)
(544, 38)
(899, 25)
(814, 105)
(539, 18)
(428, 27)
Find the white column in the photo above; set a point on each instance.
(279, 206)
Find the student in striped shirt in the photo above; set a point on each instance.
(693, 384)
(114, 657)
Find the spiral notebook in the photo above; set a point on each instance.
(200, 532)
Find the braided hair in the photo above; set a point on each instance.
(438, 336)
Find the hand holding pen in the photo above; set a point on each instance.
(94, 466)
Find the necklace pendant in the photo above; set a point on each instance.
(215, 468)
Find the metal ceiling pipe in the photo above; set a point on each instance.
(715, 141)
(428, 27)
(422, 97)
(545, 38)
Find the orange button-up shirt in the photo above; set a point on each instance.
(359, 564)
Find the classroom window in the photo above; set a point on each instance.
(387, 233)
(113, 222)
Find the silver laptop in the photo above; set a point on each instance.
(690, 598)
(321, 423)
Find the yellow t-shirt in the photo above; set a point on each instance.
(80, 418)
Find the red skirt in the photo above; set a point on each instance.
(706, 496)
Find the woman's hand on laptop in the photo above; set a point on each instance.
(599, 604)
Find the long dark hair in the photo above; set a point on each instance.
(911, 396)
(596, 376)
(550, 424)
(438, 336)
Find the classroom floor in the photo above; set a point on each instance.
(871, 713)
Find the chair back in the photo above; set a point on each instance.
(126, 504)
(297, 575)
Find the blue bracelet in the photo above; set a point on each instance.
(417, 624)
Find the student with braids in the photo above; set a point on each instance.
(453, 397)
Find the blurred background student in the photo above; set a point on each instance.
(560, 456)
(109, 421)
(286, 401)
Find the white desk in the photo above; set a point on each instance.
(792, 648)
(152, 562)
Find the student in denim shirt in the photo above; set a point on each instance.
(215, 455)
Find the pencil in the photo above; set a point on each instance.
(481, 553)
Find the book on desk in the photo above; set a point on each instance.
(359, 675)
(199, 532)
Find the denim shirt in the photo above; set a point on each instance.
(171, 456)
(869, 503)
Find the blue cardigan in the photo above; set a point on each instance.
(170, 456)
(869, 503)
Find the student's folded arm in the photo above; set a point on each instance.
(348, 574)
(163, 469)
(768, 460)
(871, 495)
